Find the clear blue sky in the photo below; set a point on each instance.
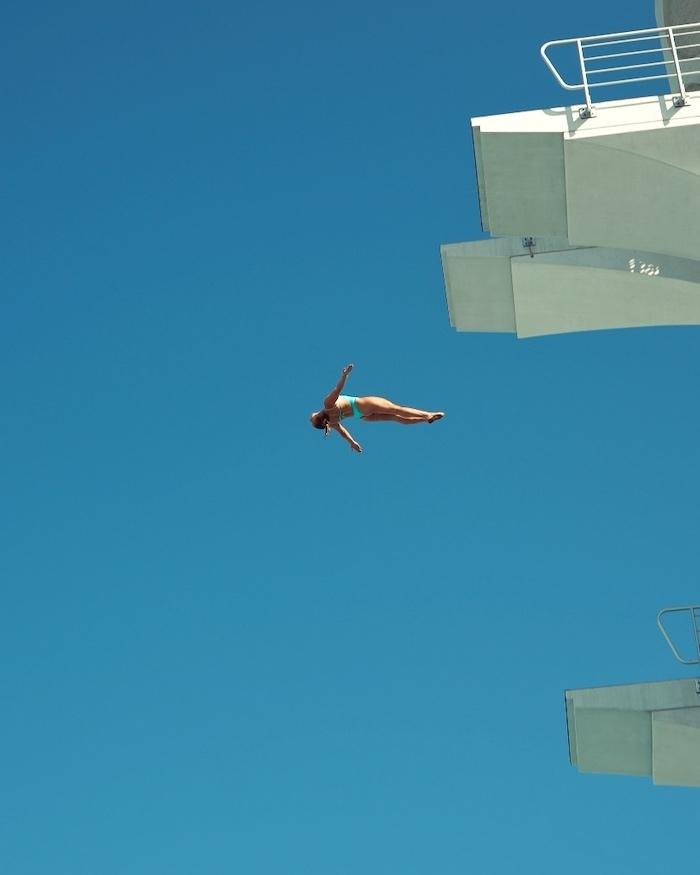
(227, 644)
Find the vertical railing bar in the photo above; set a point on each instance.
(682, 100)
(694, 614)
(584, 79)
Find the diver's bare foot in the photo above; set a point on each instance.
(435, 416)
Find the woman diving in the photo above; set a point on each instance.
(337, 408)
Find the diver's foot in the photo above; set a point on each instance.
(435, 416)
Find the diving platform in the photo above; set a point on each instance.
(592, 207)
(627, 178)
(542, 285)
(650, 730)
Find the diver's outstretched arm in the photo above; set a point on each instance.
(332, 396)
(344, 433)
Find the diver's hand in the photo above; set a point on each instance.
(347, 369)
(356, 447)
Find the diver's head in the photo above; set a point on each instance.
(319, 419)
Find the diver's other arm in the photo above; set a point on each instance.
(344, 433)
(332, 396)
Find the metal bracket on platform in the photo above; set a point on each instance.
(529, 244)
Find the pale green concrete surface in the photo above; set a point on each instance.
(613, 741)
(676, 747)
(494, 285)
(523, 183)
(617, 192)
(636, 190)
(637, 729)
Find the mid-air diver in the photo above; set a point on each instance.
(337, 408)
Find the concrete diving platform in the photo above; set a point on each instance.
(498, 286)
(593, 208)
(627, 178)
(650, 730)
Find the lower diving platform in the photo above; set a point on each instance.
(650, 730)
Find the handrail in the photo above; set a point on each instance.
(660, 34)
(694, 612)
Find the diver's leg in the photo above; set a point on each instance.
(394, 417)
(382, 406)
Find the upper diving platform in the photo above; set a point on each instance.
(594, 205)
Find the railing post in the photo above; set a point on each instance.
(587, 111)
(682, 99)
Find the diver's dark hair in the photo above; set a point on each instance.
(320, 420)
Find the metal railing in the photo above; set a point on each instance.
(693, 612)
(669, 43)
